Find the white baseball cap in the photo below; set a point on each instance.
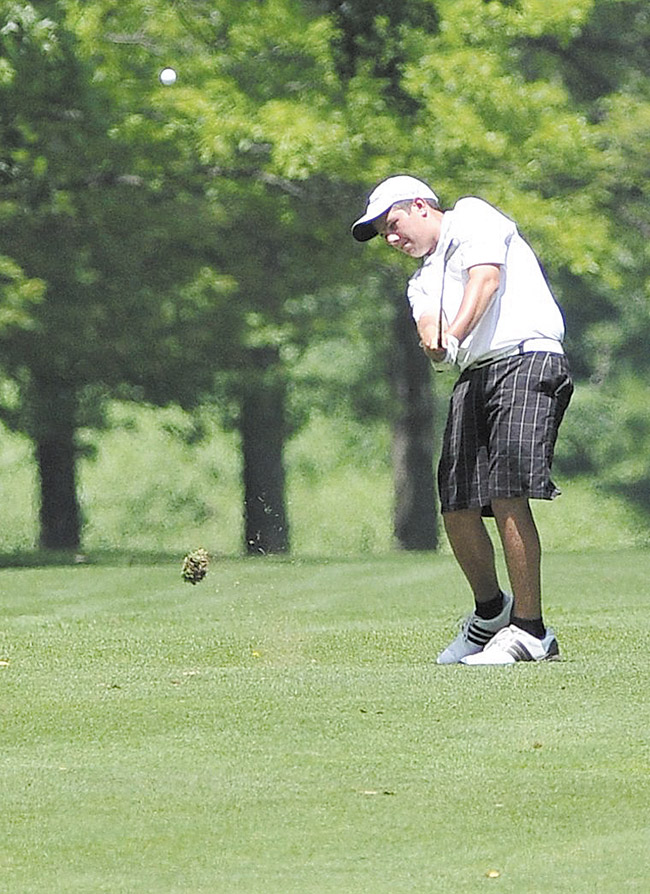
(384, 196)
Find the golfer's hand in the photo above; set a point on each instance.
(439, 353)
(435, 354)
(429, 343)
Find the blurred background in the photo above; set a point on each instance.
(193, 350)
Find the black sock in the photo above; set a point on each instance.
(491, 608)
(535, 626)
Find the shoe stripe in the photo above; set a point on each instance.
(478, 639)
(479, 635)
(519, 652)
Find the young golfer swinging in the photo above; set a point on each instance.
(482, 303)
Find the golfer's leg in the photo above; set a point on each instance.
(522, 550)
(474, 552)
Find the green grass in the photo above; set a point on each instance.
(282, 728)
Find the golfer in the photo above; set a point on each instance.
(481, 302)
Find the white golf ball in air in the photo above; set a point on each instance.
(167, 76)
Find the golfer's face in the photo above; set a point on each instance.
(408, 231)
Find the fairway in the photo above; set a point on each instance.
(283, 727)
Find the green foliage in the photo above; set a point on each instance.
(98, 204)
(605, 55)
(484, 128)
(607, 435)
(19, 296)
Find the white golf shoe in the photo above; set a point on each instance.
(475, 634)
(512, 644)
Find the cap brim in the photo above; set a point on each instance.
(363, 230)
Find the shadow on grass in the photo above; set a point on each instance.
(60, 558)
(121, 558)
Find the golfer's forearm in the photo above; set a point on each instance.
(480, 289)
(427, 327)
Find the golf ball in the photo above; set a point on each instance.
(167, 76)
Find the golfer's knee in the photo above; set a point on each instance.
(507, 506)
(461, 519)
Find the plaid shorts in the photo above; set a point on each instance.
(501, 431)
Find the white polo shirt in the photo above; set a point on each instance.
(523, 310)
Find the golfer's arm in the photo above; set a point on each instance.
(481, 285)
(427, 327)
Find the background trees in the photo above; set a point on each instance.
(100, 206)
(173, 244)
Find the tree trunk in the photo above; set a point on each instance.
(263, 429)
(56, 455)
(415, 520)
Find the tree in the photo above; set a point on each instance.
(138, 220)
(373, 42)
(319, 71)
(89, 216)
(274, 135)
(415, 521)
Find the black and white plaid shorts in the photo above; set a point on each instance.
(501, 431)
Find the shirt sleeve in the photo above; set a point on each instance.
(423, 290)
(416, 298)
(484, 232)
